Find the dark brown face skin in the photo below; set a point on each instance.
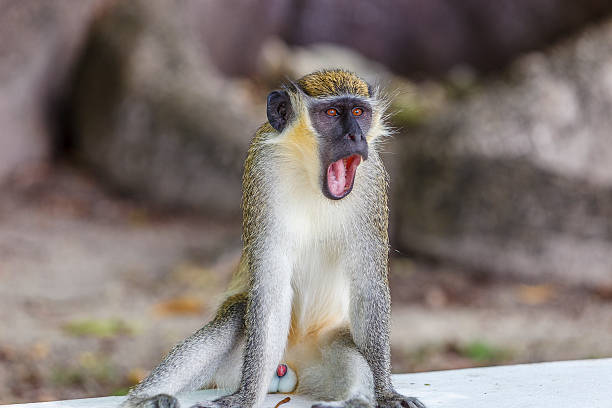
(342, 124)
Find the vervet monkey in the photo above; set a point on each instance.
(311, 290)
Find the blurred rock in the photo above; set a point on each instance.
(233, 32)
(39, 40)
(153, 117)
(416, 37)
(277, 62)
(411, 37)
(517, 178)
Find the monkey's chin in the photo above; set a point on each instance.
(341, 175)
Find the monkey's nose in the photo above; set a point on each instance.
(354, 137)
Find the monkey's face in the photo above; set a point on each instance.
(342, 124)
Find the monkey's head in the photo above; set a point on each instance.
(330, 119)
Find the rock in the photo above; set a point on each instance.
(153, 118)
(233, 32)
(278, 62)
(413, 37)
(517, 178)
(38, 43)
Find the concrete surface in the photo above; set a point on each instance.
(581, 383)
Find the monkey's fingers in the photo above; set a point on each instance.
(399, 401)
(411, 402)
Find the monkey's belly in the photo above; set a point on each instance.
(310, 332)
(320, 304)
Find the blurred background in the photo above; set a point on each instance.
(123, 129)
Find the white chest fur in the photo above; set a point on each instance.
(315, 236)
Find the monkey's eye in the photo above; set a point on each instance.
(357, 111)
(332, 112)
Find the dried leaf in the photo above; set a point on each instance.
(40, 351)
(283, 401)
(179, 306)
(535, 294)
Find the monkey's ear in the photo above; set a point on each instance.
(279, 109)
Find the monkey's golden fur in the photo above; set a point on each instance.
(333, 82)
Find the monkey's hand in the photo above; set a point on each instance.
(396, 400)
(158, 401)
(229, 401)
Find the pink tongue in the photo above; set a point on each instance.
(336, 178)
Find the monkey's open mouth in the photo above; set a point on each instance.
(341, 175)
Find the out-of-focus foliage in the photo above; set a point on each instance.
(99, 328)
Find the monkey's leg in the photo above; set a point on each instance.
(267, 321)
(193, 363)
(370, 312)
(341, 376)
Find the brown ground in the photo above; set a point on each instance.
(94, 289)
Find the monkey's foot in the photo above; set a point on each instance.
(283, 380)
(357, 402)
(159, 401)
(399, 401)
(229, 401)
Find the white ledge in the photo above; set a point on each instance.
(583, 383)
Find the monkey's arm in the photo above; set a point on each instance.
(192, 364)
(370, 323)
(267, 321)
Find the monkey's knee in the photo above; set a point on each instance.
(232, 309)
(352, 365)
(340, 375)
(229, 370)
(229, 373)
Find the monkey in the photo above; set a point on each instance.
(311, 288)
